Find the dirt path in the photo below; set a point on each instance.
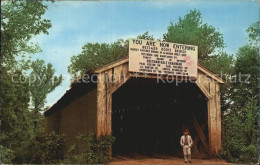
(160, 159)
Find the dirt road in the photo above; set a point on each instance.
(160, 159)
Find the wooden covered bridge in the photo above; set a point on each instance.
(144, 114)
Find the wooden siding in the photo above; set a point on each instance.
(79, 117)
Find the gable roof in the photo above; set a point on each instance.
(78, 89)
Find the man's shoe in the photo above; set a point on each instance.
(185, 161)
(190, 161)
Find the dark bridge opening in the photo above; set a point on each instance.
(148, 117)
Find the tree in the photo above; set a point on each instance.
(191, 30)
(42, 82)
(14, 121)
(94, 55)
(240, 122)
(246, 71)
(240, 134)
(253, 34)
(146, 36)
(21, 20)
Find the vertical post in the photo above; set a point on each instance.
(218, 112)
(104, 107)
(209, 128)
(101, 104)
(214, 119)
(109, 114)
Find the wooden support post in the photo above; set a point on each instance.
(218, 117)
(101, 104)
(214, 119)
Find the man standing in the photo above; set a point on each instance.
(186, 143)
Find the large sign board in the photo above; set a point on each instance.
(155, 57)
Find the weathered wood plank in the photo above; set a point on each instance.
(218, 118)
(101, 104)
(195, 149)
(163, 77)
(197, 138)
(118, 85)
(212, 111)
(111, 65)
(109, 114)
(203, 90)
(211, 74)
(200, 133)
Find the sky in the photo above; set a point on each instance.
(75, 23)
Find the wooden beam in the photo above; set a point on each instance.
(101, 104)
(200, 133)
(214, 130)
(111, 65)
(218, 118)
(197, 138)
(195, 149)
(109, 114)
(163, 77)
(203, 90)
(114, 88)
(211, 74)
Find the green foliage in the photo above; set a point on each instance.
(42, 82)
(249, 154)
(15, 125)
(7, 155)
(240, 118)
(146, 36)
(246, 70)
(20, 22)
(46, 148)
(220, 64)
(90, 150)
(240, 134)
(96, 55)
(191, 30)
(253, 34)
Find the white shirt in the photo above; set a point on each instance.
(190, 142)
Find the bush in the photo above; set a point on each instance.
(249, 154)
(7, 155)
(240, 134)
(90, 150)
(47, 148)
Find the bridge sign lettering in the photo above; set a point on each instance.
(155, 57)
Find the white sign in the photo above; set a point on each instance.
(155, 57)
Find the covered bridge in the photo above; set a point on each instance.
(145, 114)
